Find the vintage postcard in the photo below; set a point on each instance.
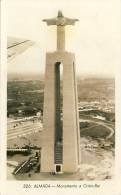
(60, 97)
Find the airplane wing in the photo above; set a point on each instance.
(17, 46)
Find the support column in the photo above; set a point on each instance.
(70, 126)
(48, 134)
(70, 133)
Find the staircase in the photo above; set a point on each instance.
(58, 154)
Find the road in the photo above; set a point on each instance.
(19, 128)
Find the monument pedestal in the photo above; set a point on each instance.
(70, 126)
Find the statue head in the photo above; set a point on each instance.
(60, 13)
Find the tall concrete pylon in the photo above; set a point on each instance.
(61, 136)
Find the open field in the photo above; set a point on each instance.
(97, 128)
(96, 131)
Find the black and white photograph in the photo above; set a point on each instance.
(61, 102)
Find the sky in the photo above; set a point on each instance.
(95, 39)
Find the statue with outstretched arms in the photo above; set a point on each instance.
(60, 20)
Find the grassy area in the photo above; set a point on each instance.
(97, 131)
(86, 124)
